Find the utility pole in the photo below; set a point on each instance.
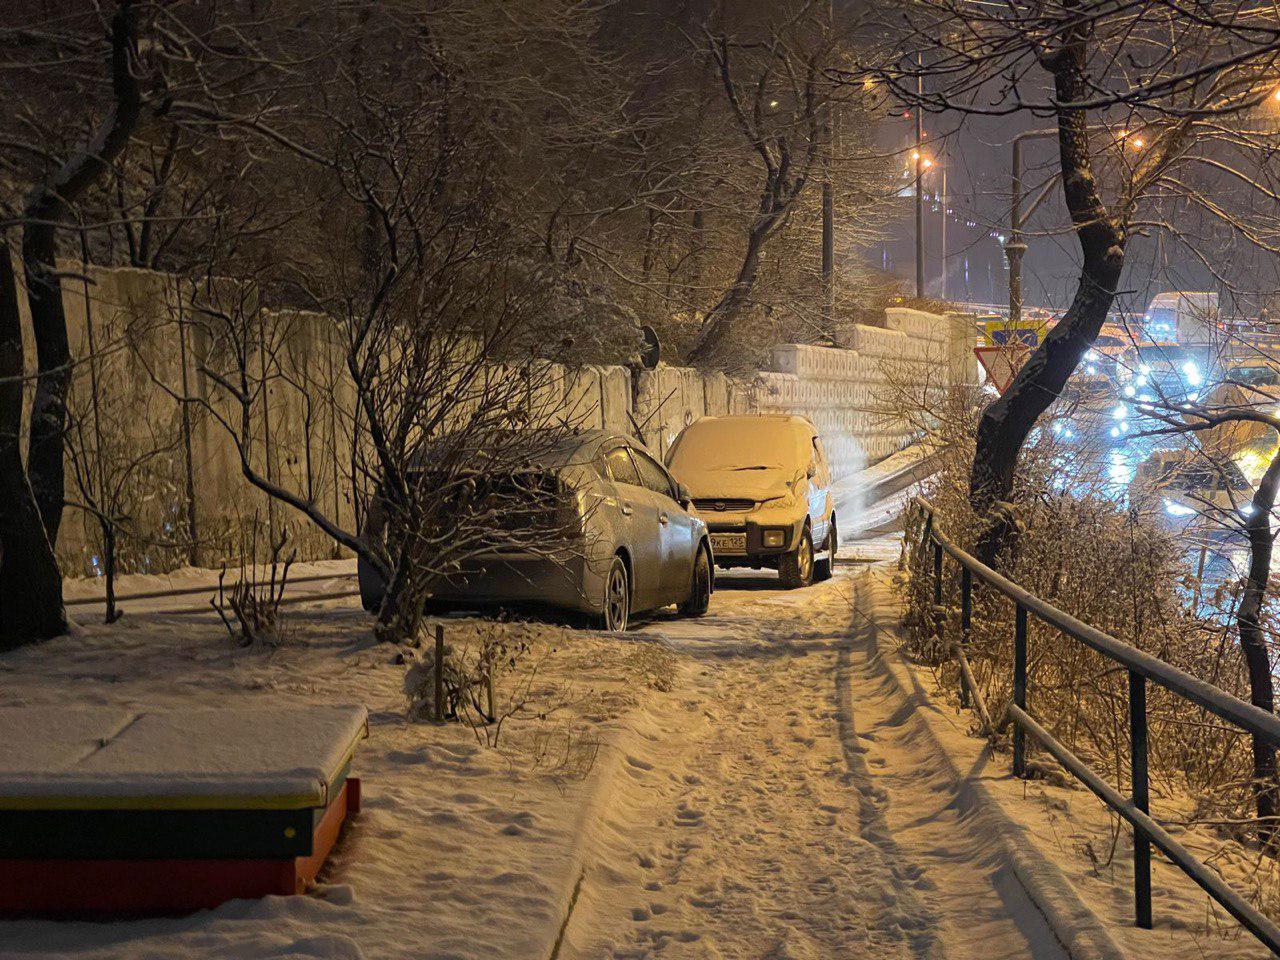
(919, 159)
(1014, 248)
(942, 160)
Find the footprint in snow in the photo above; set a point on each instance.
(792, 945)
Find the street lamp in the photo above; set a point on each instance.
(918, 157)
(1014, 248)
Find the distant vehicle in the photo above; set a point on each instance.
(764, 487)
(1191, 489)
(1254, 373)
(1186, 319)
(633, 542)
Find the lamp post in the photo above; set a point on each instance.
(942, 202)
(919, 159)
(1014, 248)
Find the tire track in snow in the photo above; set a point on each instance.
(738, 831)
(908, 878)
(981, 910)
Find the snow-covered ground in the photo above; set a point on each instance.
(460, 851)
(1065, 844)
(766, 782)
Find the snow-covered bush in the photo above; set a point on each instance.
(1113, 568)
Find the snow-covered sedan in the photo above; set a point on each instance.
(622, 537)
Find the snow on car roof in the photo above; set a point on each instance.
(776, 440)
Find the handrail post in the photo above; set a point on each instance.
(966, 607)
(1141, 798)
(938, 621)
(1020, 689)
(937, 574)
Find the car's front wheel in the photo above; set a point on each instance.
(699, 599)
(617, 599)
(795, 569)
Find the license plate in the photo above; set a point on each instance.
(729, 542)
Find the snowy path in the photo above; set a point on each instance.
(790, 808)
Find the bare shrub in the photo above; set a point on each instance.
(1109, 566)
(495, 679)
(251, 609)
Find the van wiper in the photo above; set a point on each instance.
(757, 467)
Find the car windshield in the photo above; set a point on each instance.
(1201, 477)
(738, 444)
(1255, 376)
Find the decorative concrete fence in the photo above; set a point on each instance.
(171, 470)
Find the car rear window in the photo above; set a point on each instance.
(618, 462)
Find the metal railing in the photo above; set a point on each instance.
(1142, 667)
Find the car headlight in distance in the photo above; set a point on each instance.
(1175, 509)
(774, 538)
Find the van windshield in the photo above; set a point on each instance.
(739, 445)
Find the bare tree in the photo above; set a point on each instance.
(778, 98)
(1101, 72)
(426, 300)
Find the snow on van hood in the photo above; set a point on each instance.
(737, 483)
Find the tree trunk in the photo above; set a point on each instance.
(30, 583)
(721, 317)
(46, 209)
(1007, 422)
(1254, 647)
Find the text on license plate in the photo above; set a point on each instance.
(729, 542)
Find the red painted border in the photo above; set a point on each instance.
(78, 887)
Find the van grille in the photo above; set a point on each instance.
(728, 504)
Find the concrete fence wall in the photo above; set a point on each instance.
(169, 467)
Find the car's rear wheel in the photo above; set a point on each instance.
(699, 599)
(795, 569)
(617, 599)
(823, 568)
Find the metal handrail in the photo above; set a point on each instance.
(1141, 668)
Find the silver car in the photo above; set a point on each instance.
(636, 545)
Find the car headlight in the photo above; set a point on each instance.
(1176, 509)
(774, 538)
